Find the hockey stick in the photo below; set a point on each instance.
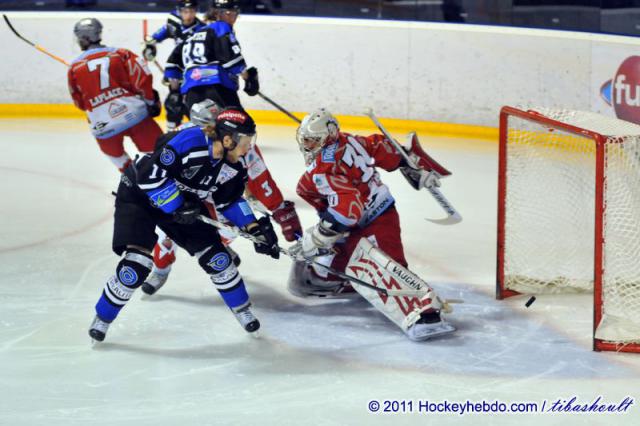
(294, 257)
(145, 32)
(30, 43)
(281, 109)
(453, 216)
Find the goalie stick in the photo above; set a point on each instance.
(30, 43)
(278, 107)
(453, 216)
(288, 253)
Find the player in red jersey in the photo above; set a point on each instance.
(343, 185)
(114, 87)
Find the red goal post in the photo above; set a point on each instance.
(569, 214)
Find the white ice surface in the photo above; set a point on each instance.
(180, 357)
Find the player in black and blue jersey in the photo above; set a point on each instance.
(210, 63)
(181, 24)
(191, 171)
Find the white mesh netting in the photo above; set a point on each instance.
(550, 214)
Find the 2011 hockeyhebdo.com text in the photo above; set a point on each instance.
(557, 406)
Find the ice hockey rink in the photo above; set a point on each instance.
(180, 356)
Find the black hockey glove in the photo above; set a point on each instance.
(155, 108)
(269, 240)
(187, 214)
(251, 84)
(173, 104)
(149, 52)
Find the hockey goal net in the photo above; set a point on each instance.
(569, 214)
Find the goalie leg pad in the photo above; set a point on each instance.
(304, 282)
(373, 266)
(131, 272)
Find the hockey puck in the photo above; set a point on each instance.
(530, 301)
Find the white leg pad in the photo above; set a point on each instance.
(373, 266)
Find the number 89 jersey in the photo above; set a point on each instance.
(113, 86)
(211, 56)
(343, 181)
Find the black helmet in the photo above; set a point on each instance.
(232, 121)
(225, 4)
(191, 4)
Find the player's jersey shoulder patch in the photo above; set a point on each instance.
(254, 164)
(322, 184)
(167, 156)
(329, 153)
(226, 174)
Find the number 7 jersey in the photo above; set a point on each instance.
(343, 181)
(113, 86)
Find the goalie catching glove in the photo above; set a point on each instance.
(263, 231)
(428, 171)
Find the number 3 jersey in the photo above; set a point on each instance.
(342, 181)
(182, 163)
(211, 56)
(113, 86)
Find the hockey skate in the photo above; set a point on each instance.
(154, 281)
(429, 325)
(247, 320)
(98, 329)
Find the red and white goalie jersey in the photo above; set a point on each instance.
(113, 86)
(342, 179)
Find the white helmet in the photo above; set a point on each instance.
(315, 130)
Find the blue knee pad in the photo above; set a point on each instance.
(131, 272)
(225, 277)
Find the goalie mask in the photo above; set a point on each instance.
(204, 113)
(315, 131)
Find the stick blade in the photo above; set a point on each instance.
(6, 19)
(449, 220)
